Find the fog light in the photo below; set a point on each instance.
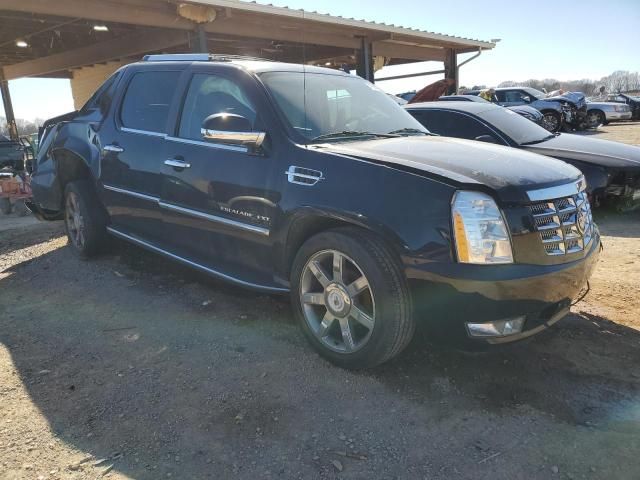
(499, 328)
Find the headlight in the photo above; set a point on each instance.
(620, 108)
(480, 232)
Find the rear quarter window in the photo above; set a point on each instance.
(147, 100)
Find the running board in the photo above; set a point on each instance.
(202, 268)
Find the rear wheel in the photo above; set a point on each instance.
(5, 205)
(551, 121)
(351, 298)
(84, 219)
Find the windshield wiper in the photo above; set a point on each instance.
(409, 131)
(351, 134)
(532, 142)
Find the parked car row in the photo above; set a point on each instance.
(611, 169)
(312, 182)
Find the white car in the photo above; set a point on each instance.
(601, 113)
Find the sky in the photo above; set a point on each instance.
(542, 39)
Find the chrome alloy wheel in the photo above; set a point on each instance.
(337, 301)
(550, 122)
(74, 221)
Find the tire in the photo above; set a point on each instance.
(551, 121)
(595, 118)
(5, 206)
(84, 213)
(351, 324)
(21, 208)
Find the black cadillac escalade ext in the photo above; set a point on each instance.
(286, 178)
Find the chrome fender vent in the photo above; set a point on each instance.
(303, 176)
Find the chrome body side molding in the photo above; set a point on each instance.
(131, 193)
(559, 191)
(202, 268)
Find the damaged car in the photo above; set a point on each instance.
(310, 182)
(561, 110)
(612, 169)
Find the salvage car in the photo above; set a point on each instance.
(601, 113)
(568, 110)
(632, 101)
(309, 181)
(13, 154)
(526, 111)
(612, 169)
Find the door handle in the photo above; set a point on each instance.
(113, 148)
(172, 162)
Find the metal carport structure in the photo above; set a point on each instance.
(86, 40)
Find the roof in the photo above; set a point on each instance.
(350, 22)
(461, 106)
(57, 37)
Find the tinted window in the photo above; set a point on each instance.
(147, 100)
(452, 124)
(208, 95)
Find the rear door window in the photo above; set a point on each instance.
(147, 100)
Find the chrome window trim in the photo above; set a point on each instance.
(215, 218)
(144, 132)
(194, 213)
(191, 263)
(142, 196)
(220, 146)
(559, 191)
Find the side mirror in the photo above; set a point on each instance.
(486, 139)
(231, 129)
(527, 99)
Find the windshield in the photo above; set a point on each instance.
(535, 93)
(338, 107)
(521, 130)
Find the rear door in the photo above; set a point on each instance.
(220, 205)
(133, 149)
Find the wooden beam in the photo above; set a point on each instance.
(412, 52)
(130, 45)
(105, 11)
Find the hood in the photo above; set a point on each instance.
(577, 98)
(589, 150)
(507, 171)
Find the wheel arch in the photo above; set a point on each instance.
(308, 222)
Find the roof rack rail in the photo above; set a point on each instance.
(199, 57)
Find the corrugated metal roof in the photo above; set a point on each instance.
(315, 16)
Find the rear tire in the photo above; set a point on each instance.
(351, 298)
(5, 206)
(85, 219)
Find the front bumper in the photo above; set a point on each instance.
(447, 296)
(611, 116)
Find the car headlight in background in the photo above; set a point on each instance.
(480, 231)
(620, 108)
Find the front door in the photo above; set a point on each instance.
(219, 201)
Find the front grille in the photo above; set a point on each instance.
(565, 224)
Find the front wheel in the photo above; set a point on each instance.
(351, 298)
(595, 118)
(551, 121)
(84, 218)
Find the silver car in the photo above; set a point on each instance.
(601, 113)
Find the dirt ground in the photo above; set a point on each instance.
(625, 132)
(130, 366)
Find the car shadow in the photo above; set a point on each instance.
(134, 359)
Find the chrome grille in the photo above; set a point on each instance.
(565, 224)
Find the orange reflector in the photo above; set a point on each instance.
(462, 246)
